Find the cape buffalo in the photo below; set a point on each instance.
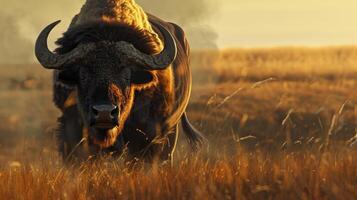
(121, 80)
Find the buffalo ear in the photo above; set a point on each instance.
(141, 77)
(68, 77)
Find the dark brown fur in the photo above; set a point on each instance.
(155, 109)
(96, 32)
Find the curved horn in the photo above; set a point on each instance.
(151, 62)
(50, 60)
(168, 54)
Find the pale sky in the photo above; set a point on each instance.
(237, 23)
(255, 23)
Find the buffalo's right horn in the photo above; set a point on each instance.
(50, 60)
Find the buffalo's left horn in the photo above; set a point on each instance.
(151, 62)
(50, 60)
(168, 54)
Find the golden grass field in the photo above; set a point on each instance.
(281, 124)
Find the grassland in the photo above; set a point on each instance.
(281, 124)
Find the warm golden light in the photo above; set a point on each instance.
(288, 22)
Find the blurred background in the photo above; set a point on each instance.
(274, 86)
(208, 23)
(255, 64)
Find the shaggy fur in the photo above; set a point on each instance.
(97, 32)
(125, 12)
(154, 109)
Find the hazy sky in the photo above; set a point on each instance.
(286, 22)
(225, 23)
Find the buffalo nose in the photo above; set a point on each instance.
(104, 116)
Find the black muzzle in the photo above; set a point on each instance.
(104, 116)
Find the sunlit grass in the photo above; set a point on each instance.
(280, 122)
(246, 175)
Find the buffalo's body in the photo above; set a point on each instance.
(151, 129)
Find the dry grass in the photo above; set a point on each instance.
(281, 124)
(247, 175)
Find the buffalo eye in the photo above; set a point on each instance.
(141, 77)
(68, 77)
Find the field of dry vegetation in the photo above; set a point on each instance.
(281, 124)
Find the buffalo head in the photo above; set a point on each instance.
(106, 75)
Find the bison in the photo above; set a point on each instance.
(122, 81)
